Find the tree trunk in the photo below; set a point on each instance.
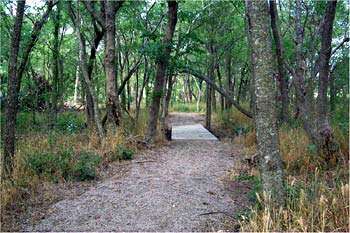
(271, 166)
(12, 93)
(168, 94)
(136, 87)
(199, 95)
(332, 92)
(92, 59)
(250, 64)
(282, 77)
(304, 108)
(222, 101)
(144, 84)
(77, 83)
(55, 67)
(209, 95)
(15, 77)
(160, 74)
(328, 145)
(85, 73)
(228, 79)
(208, 106)
(112, 104)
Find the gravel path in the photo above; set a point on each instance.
(177, 187)
(191, 132)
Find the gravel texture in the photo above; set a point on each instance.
(177, 187)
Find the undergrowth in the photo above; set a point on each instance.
(317, 196)
(67, 153)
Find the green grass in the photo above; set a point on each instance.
(187, 107)
(64, 164)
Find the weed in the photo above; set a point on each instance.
(123, 153)
(85, 166)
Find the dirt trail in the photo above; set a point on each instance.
(178, 188)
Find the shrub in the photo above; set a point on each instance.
(71, 122)
(85, 166)
(64, 164)
(42, 163)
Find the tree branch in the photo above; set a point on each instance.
(218, 89)
(33, 39)
(346, 39)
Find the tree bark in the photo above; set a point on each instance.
(112, 104)
(162, 63)
(210, 97)
(55, 67)
(303, 105)
(222, 100)
(12, 93)
(77, 83)
(14, 81)
(168, 94)
(85, 72)
(270, 161)
(317, 127)
(99, 33)
(228, 79)
(144, 84)
(332, 91)
(282, 77)
(328, 144)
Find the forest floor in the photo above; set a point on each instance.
(181, 186)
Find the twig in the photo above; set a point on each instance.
(215, 212)
(145, 161)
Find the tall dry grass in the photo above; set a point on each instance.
(317, 196)
(19, 190)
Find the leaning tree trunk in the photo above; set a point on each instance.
(92, 58)
(271, 166)
(162, 63)
(12, 93)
